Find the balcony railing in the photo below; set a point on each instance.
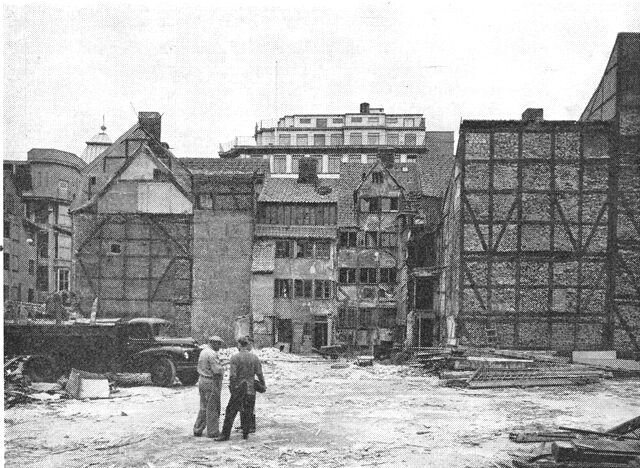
(237, 141)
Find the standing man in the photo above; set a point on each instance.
(251, 400)
(244, 367)
(211, 372)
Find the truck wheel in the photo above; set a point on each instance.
(40, 369)
(163, 372)
(188, 377)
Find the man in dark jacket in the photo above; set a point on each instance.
(244, 367)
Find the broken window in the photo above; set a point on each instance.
(348, 275)
(366, 318)
(323, 289)
(283, 249)
(390, 204)
(303, 288)
(374, 205)
(323, 249)
(282, 288)
(388, 239)
(377, 177)
(368, 275)
(304, 248)
(205, 201)
(348, 239)
(371, 239)
(347, 317)
(387, 275)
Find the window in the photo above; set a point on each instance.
(337, 121)
(392, 139)
(370, 205)
(323, 289)
(387, 275)
(356, 119)
(354, 158)
(323, 249)
(355, 139)
(373, 138)
(7, 229)
(304, 248)
(31, 295)
(410, 139)
(373, 120)
(205, 201)
(368, 275)
(366, 318)
(408, 122)
(348, 239)
(303, 288)
(321, 123)
(388, 239)
(32, 267)
(42, 278)
(295, 164)
(92, 180)
(158, 175)
(392, 120)
(305, 121)
(371, 239)
(347, 317)
(63, 189)
(42, 214)
(411, 158)
(63, 247)
(279, 164)
(292, 214)
(318, 140)
(284, 139)
(7, 261)
(333, 164)
(115, 248)
(302, 140)
(283, 249)
(63, 215)
(282, 288)
(390, 204)
(63, 279)
(377, 177)
(15, 264)
(139, 331)
(347, 275)
(337, 139)
(43, 244)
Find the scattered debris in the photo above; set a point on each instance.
(83, 385)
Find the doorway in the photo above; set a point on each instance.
(320, 334)
(423, 332)
(285, 331)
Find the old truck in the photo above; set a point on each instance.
(106, 346)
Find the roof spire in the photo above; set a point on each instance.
(103, 127)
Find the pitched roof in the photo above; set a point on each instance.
(226, 166)
(434, 171)
(289, 190)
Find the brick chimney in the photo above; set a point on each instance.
(533, 115)
(364, 108)
(151, 122)
(386, 158)
(308, 171)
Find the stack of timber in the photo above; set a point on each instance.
(499, 368)
(608, 361)
(431, 358)
(618, 447)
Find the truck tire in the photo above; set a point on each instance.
(163, 372)
(41, 369)
(188, 377)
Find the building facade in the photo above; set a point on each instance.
(38, 194)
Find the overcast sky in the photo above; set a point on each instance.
(211, 70)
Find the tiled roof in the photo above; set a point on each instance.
(263, 257)
(289, 190)
(276, 230)
(435, 171)
(226, 165)
(350, 177)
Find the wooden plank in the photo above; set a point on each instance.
(539, 382)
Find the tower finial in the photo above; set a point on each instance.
(103, 128)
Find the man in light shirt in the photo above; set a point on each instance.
(211, 372)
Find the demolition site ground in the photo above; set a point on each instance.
(311, 415)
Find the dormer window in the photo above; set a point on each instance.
(377, 177)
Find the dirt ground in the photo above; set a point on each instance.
(312, 415)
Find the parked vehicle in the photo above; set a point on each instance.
(108, 345)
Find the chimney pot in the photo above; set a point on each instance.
(308, 171)
(151, 122)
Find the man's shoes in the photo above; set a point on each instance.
(214, 436)
(197, 434)
(221, 438)
(245, 435)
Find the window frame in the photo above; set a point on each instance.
(368, 276)
(277, 159)
(282, 288)
(283, 248)
(347, 276)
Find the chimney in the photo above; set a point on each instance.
(386, 158)
(533, 115)
(308, 171)
(151, 122)
(364, 108)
